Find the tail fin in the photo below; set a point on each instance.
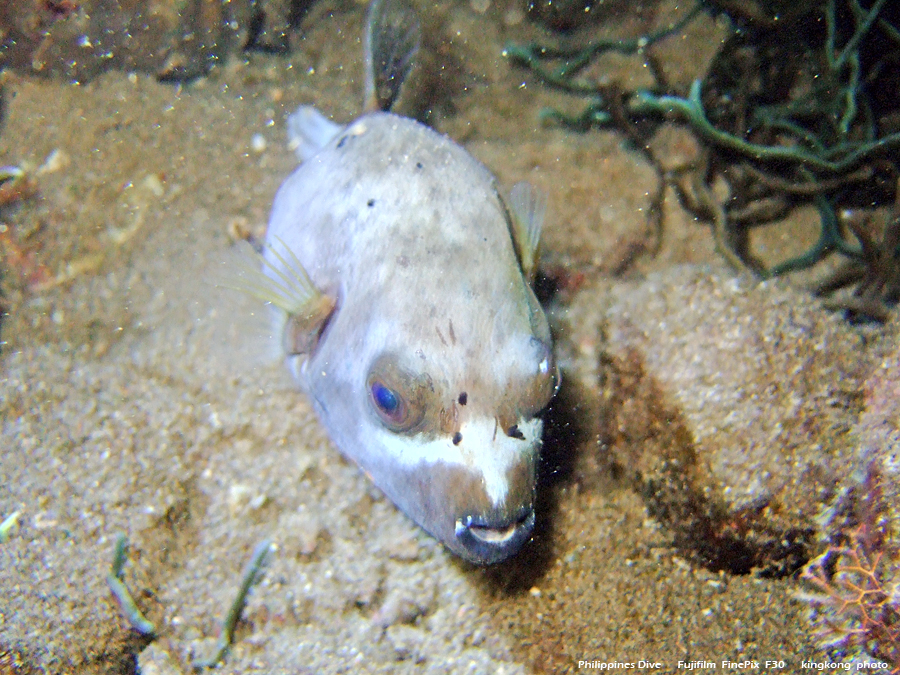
(309, 131)
(392, 40)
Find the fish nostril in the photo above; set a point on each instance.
(515, 432)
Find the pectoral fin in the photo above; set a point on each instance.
(280, 280)
(302, 331)
(527, 207)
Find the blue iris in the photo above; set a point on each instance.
(384, 398)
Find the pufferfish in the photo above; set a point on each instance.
(401, 278)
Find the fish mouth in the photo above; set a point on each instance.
(488, 541)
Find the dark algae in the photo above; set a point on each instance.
(799, 107)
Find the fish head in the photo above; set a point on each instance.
(450, 429)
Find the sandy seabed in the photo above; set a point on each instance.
(138, 395)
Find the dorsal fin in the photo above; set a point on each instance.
(527, 208)
(391, 42)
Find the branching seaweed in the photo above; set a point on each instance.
(799, 109)
(8, 525)
(126, 602)
(250, 576)
(876, 273)
(855, 599)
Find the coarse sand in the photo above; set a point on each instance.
(140, 394)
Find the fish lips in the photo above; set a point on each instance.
(486, 541)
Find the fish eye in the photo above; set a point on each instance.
(396, 396)
(386, 400)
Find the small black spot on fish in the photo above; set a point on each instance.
(342, 141)
(370, 203)
(513, 432)
(463, 398)
(457, 438)
(418, 165)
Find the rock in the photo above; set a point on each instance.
(170, 38)
(879, 425)
(569, 15)
(871, 494)
(155, 660)
(729, 403)
(407, 598)
(407, 642)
